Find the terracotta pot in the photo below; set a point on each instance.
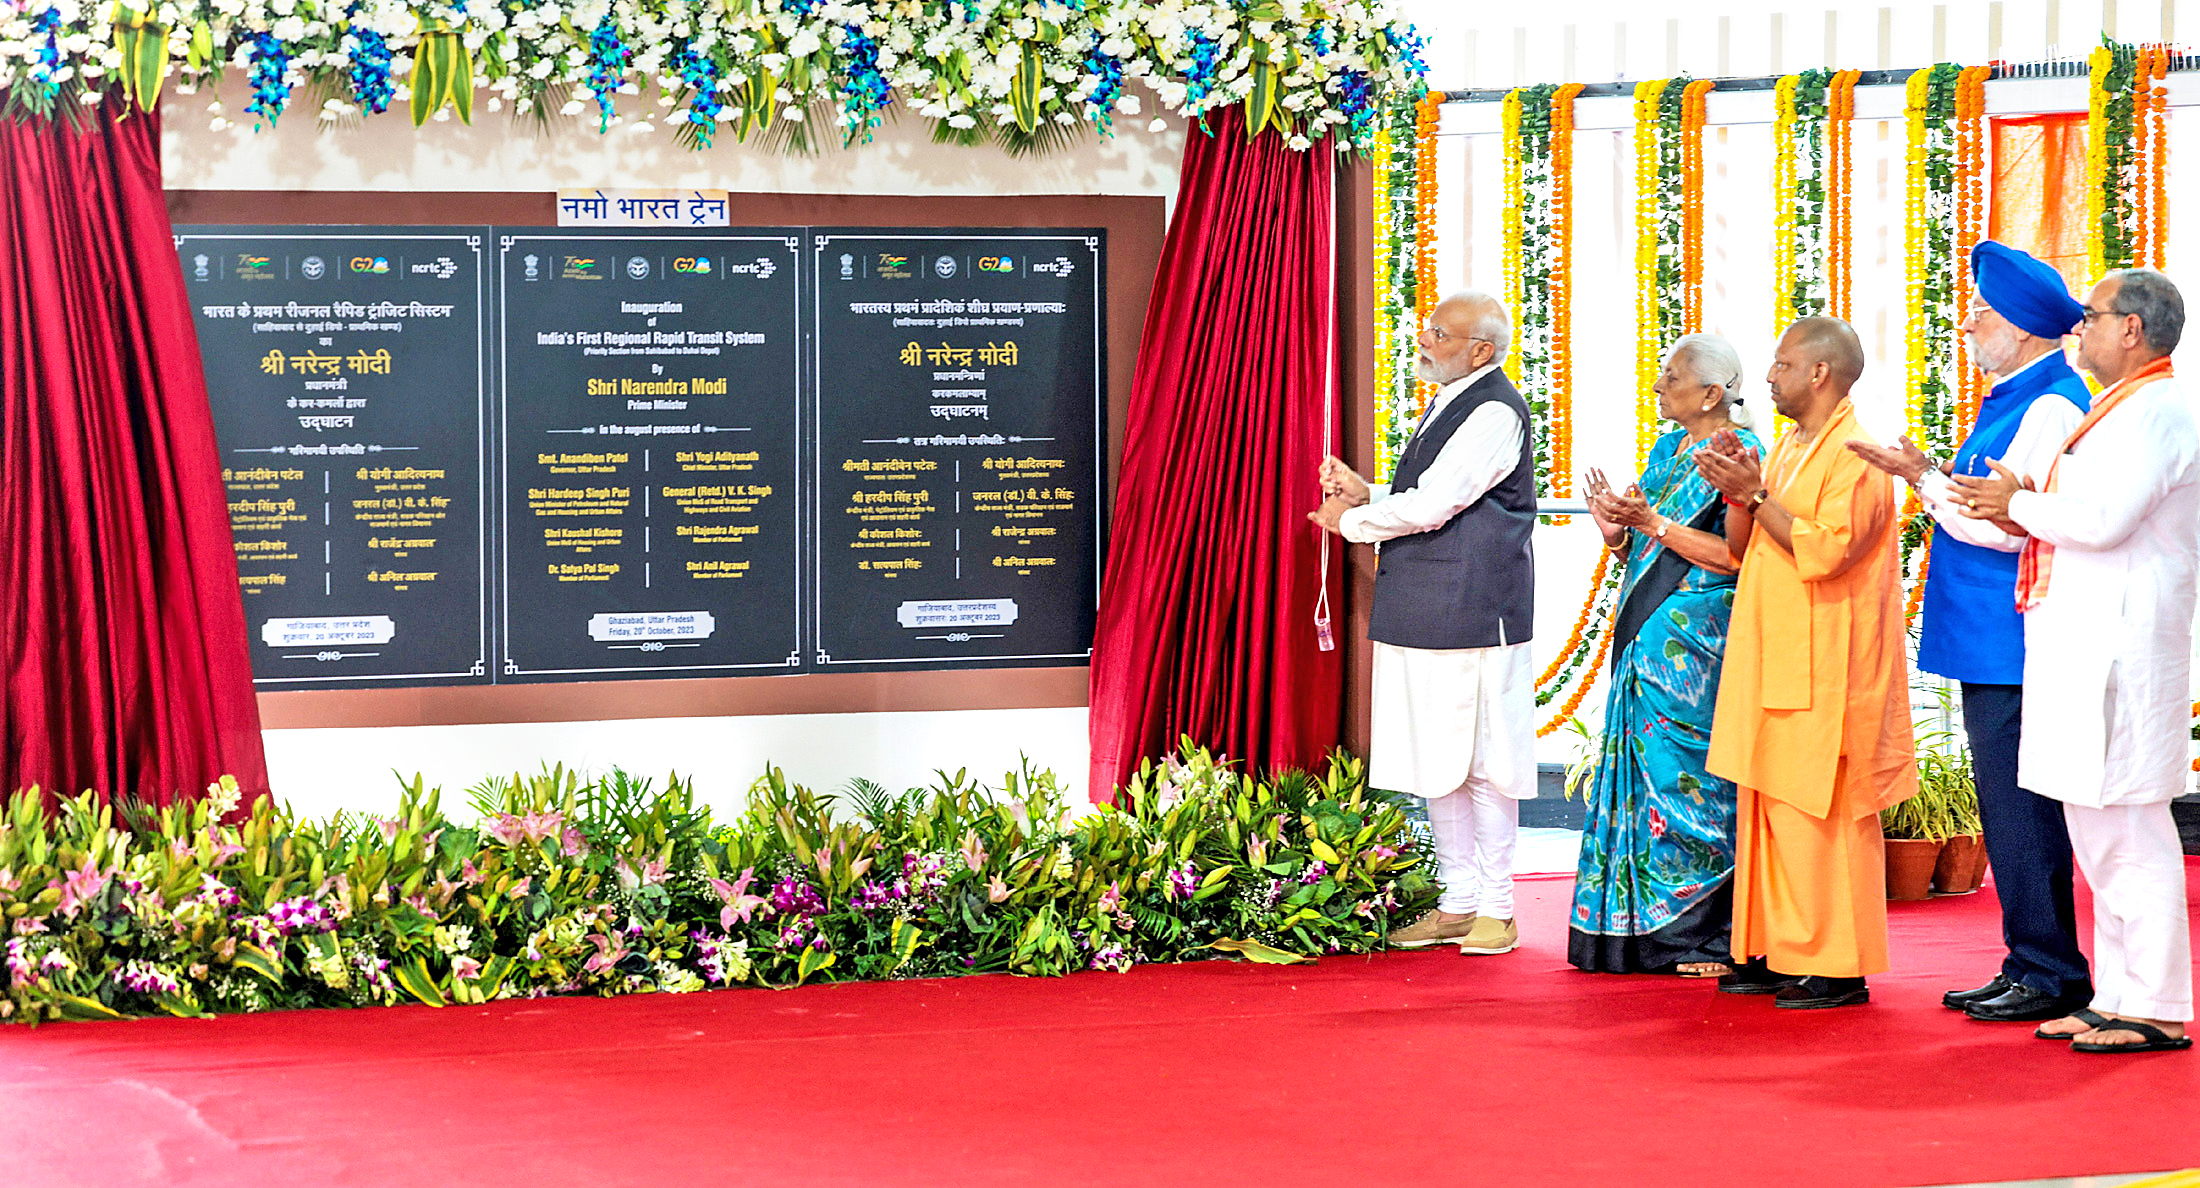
(1962, 865)
(1910, 867)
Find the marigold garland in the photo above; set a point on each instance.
(1386, 427)
(1581, 621)
(1426, 113)
(1562, 291)
(1588, 681)
(2150, 128)
(1932, 273)
(1691, 198)
(1807, 155)
(2097, 152)
(1840, 154)
(1783, 205)
(2157, 161)
(1664, 187)
(1511, 214)
(1403, 273)
(1970, 187)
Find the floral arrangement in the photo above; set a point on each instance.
(1404, 278)
(2127, 158)
(603, 887)
(1027, 74)
(1538, 159)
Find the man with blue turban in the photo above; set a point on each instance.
(1974, 635)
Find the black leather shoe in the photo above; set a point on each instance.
(1752, 978)
(1961, 1000)
(2022, 1004)
(1814, 993)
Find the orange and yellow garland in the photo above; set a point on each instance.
(1692, 122)
(1970, 163)
(1561, 289)
(1426, 113)
(1839, 181)
(2150, 127)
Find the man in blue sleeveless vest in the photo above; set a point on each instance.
(1973, 634)
(1454, 689)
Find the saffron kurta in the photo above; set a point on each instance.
(1813, 719)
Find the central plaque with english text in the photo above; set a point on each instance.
(649, 438)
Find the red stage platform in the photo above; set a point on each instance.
(1408, 1068)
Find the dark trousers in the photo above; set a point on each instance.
(2027, 847)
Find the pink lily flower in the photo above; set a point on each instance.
(739, 904)
(80, 886)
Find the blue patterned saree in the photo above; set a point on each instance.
(1653, 889)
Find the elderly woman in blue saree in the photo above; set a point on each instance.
(1653, 892)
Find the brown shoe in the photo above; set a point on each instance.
(1430, 929)
(1489, 937)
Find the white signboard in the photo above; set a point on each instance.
(651, 625)
(322, 633)
(642, 208)
(957, 612)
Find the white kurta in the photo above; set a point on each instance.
(1443, 715)
(2108, 649)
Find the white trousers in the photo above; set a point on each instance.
(2142, 943)
(1476, 828)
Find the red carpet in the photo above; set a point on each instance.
(1424, 1068)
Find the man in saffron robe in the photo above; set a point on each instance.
(1813, 719)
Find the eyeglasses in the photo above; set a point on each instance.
(1438, 334)
(2092, 313)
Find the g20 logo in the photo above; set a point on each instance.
(698, 265)
(376, 264)
(996, 264)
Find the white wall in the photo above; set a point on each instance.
(323, 769)
(319, 771)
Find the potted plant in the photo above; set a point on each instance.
(1933, 837)
(1916, 830)
(1962, 865)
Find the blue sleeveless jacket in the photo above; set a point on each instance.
(1972, 631)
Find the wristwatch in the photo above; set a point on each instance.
(1662, 526)
(1758, 500)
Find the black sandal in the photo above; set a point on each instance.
(2087, 1016)
(2153, 1039)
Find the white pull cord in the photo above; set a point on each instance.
(1324, 638)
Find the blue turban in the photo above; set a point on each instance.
(2025, 290)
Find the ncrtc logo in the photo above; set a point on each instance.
(1059, 266)
(761, 269)
(370, 264)
(698, 265)
(996, 264)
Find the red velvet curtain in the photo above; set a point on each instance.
(1206, 624)
(127, 669)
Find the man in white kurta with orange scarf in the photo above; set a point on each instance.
(2107, 586)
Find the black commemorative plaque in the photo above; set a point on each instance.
(348, 375)
(648, 398)
(955, 501)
